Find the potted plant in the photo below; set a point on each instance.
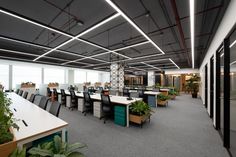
(139, 112)
(162, 99)
(172, 94)
(193, 85)
(7, 123)
(57, 148)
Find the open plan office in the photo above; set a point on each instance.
(109, 78)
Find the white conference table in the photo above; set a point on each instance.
(114, 99)
(34, 122)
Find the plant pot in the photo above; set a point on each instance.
(138, 119)
(172, 97)
(194, 95)
(161, 103)
(7, 148)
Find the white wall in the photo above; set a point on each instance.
(151, 78)
(227, 23)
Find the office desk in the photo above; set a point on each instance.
(152, 98)
(37, 123)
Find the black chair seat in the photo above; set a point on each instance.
(106, 109)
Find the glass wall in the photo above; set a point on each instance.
(92, 77)
(54, 75)
(80, 76)
(4, 76)
(26, 74)
(233, 94)
(222, 90)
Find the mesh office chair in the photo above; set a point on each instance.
(141, 93)
(63, 97)
(25, 95)
(43, 102)
(88, 103)
(74, 100)
(126, 92)
(156, 90)
(112, 92)
(107, 109)
(20, 93)
(134, 94)
(37, 99)
(32, 98)
(49, 92)
(55, 94)
(17, 91)
(55, 108)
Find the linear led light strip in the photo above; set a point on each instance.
(62, 33)
(35, 55)
(150, 65)
(191, 3)
(174, 63)
(133, 24)
(44, 47)
(100, 54)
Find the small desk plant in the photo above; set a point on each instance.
(139, 112)
(7, 123)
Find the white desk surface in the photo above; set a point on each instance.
(38, 120)
(151, 93)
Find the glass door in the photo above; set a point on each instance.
(212, 87)
(206, 86)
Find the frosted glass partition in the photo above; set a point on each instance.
(26, 74)
(4, 76)
(80, 76)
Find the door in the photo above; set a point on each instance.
(206, 86)
(212, 87)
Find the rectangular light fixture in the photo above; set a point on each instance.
(191, 6)
(174, 63)
(130, 46)
(151, 66)
(133, 24)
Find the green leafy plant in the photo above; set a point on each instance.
(162, 97)
(140, 108)
(6, 119)
(57, 148)
(18, 153)
(193, 84)
(172, 92)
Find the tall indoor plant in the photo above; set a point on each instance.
(7, 122)
(193, 85)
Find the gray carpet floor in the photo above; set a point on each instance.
(183, 129)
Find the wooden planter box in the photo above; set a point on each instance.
(172, 97)
(138, 119)
(7, 148)
(161, 103)
(28, 86)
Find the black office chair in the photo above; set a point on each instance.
(134, 94)
(140, 93)
(88, 103)
(43, 102)
(17, 91)
(55, 94)
(126, 92)
(74, 100)
(63, 97)
(20, 93)
(107, 108)
(49, 92)
(32, 98)
(55, 108)
(37, 99)
(25, 95)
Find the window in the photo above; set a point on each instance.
(92, 77)
(26, 74)
(54, 75)
(79, 76)
(4, 76)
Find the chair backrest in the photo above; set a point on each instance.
(72, 94)
(125, 92)
(156, 90)
(105, 100)
(25, 95)
(140, 93)
(112, 92)
(55, 108)
(48, 92)
(32, 98)
(20, 93)
(37, 99)
(55, 92)
(43, 102)
(63, 93)
(17, 91)
(134, 94)
(87, 97)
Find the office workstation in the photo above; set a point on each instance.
(141, 78)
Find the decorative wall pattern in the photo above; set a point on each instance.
(117, 76)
